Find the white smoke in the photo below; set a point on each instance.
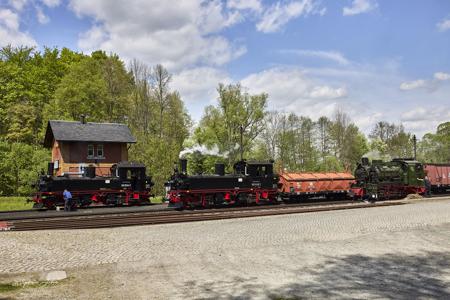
(204, 150)
(208, 151)
(375, 154)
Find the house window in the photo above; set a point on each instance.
(100, 151)
(90, 151)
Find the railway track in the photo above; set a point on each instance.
(165, 217)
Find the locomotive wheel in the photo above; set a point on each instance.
(38, 206)
(85, 201)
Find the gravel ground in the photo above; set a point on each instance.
(399, 252)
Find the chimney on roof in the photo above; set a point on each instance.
(83, 119)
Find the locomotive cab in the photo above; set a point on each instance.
(254, 169)
(132, 175)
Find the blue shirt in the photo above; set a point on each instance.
(67, 195)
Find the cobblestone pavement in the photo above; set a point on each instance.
(387, 252)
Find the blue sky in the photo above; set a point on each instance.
(374, 59)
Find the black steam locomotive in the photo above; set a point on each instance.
(250, 182)
(128, 184)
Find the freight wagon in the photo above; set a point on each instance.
(303, 186)
(439, 176)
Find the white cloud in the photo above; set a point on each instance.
(441, 76)
(199, 84)
(198, 87)
(443, 25)
(42, 18)
(291, 90)
(18, 4)
(431, 85)
(411, 85)
(277, 15)
(328, 55)
(421, 120)
(91, 38)
(254, 5)
(359, 7)
(10, 32)
(9, 19)
(178, 36)
(51, 3)
(326, 92)
(416, 114)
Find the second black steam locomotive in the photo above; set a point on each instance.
(250, 182)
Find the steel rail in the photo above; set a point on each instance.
(168, 210)
(108, 221)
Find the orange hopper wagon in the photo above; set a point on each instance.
(300, 186)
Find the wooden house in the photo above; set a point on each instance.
(76, 145)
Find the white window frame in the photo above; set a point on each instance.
(100, 146)
(89, 148)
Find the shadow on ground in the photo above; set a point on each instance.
(392, 276)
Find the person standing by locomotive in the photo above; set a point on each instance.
(67, 200)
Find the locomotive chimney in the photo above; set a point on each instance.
(50, 168)
(415, 147)
(183, 165)
(220, 169)
(365, 161)
(83, 119)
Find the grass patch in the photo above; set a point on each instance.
(14, 203)
(157, 199)
(19, 203)
(8, 287)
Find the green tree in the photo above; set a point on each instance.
(348, 143)
(391, 140)
(435, 147)
(97, 86)
(20, 165)
(82, 90)
(221, 125)
(160, 139)
(323, 141)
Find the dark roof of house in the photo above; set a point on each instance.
(87, 132)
